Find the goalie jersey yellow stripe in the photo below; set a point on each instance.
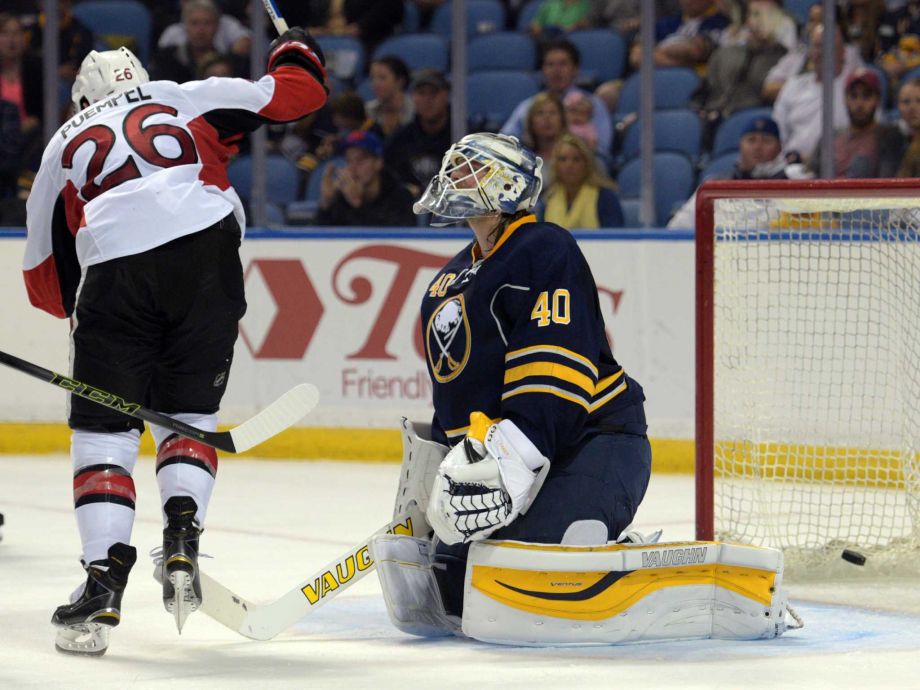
(552, 370)
(518, 334)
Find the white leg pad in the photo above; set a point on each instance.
(410, 589)
(536, 594)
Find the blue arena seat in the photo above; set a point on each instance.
(729, 132)
(482, 16)
(304, 212)
(282, 179)
(411, 19)
(527, 13)
(675, 130)
(720, 167)
(603, 53)
(501, 50)
(631, 213)
(674, 180)
(118, 22)
(344, 56)
(672, 88)
(798, 9)
(492, 95)
(417, 50)
(364, 89)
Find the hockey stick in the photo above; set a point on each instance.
(275, 14)
(265, 621)
(278, 416)
(421, 459)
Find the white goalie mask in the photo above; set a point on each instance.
(480, 175)
(105, 74)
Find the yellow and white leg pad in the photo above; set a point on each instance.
(538, 594)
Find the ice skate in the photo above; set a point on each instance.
(181, 582)
(95, 608)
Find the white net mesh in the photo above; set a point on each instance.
(817, 380)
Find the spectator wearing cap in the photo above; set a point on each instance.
(560, 63)
(865, 148)
(415, 150)
(760, 157)
(364, 191)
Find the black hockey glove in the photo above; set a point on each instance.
(297, 47)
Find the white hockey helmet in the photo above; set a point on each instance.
(105, 74)
(508, 178)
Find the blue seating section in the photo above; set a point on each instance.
(282, 179)
(672, 88)
(603, 54)
(501, 50)
(527, 13)
(344, 56)
(720, 167)
(482, 16)
(492, 95)
(417, 50)
(112, 20)
(674, 179)
(502, 70)
(675, 130)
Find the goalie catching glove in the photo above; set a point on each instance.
(297, 47)
(485, 481)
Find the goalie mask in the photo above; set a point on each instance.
(480, 175)
(106, 74)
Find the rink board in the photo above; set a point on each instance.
(340, 309)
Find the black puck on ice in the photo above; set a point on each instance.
(853, 557)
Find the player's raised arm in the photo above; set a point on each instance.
(292, 88)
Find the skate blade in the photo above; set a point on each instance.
(86, 639)
(184, 602)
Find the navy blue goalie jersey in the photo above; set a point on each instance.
(519, 335)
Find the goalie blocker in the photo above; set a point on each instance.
(540, 594)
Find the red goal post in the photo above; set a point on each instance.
(807, 376)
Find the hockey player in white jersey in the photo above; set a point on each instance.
(133, 233)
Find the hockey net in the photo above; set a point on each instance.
(808, 371)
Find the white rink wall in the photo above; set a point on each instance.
(340, 309)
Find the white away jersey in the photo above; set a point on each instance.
(145, 167)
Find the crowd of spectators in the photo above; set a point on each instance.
(382, 134)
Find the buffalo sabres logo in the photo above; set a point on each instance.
(447, 339)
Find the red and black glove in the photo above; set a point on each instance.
(297, 47)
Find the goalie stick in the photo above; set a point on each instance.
(265, 621)
(278, 416)
(421, 458)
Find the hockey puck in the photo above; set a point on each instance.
(853, 557)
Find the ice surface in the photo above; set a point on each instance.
(271, 523)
